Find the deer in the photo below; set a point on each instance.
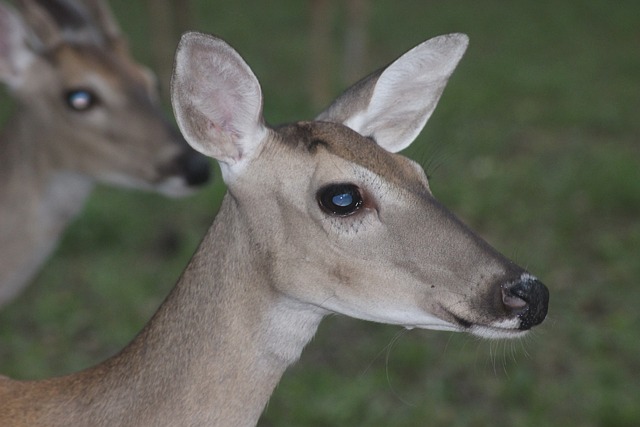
(86, 113)
(319, 217)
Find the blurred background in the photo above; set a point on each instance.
(535, 144)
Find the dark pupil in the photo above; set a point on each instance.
(342, 199)
(80, 100)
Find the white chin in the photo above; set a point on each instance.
(174, 187)
(498, 330)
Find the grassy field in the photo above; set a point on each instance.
(535, 144)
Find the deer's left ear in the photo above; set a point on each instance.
(217, 100)
(15, 54)
(393, 105)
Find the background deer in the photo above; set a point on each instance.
(86, 112)
(320, 217)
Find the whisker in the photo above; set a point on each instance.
(393, 390)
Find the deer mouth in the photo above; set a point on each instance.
(509, 328)
(497, 332)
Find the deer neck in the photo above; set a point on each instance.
(37, 199)
(218, 345)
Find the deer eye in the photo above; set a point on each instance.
(81, 99)
(340, 199)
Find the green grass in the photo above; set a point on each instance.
(537, 139)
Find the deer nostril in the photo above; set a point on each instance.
(513, 302)
(527, 298)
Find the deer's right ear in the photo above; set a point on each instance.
(393, 105)
(217, 99)
(15, 54)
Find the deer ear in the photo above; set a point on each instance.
(44, 32)
(393, 105)
(217, 99)
(104, 18)
(15, 54)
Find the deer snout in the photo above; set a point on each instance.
(183, 172)
(528, 299)
(196, 168)
(192, 167)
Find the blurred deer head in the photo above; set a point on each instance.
(86, 111)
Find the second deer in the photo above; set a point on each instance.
(86, 112)
(320, 217)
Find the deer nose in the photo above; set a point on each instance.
(528, 299)
(196, 168)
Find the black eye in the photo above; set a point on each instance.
(340, 199)
(80, 100)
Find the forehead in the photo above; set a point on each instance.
(315, 138)
(75, 62)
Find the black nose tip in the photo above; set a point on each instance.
(528, 298)
(197, 169)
